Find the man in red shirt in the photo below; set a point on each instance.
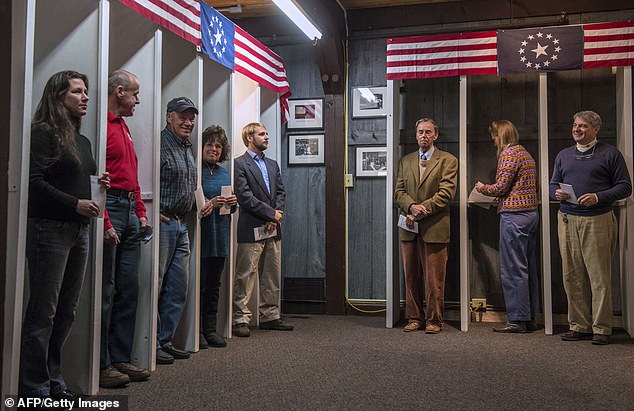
(125, 224)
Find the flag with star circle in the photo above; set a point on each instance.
(217, 34)
(540, 49)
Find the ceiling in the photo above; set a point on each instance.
(260, 8)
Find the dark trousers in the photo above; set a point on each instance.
(425, 266)
(210, 275)
(57, 254)
(120, 289)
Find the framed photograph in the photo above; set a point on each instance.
(371, 161)
(368, 101)
(306, 113)
(306, 149)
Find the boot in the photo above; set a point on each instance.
(209, 330)
(202, 342)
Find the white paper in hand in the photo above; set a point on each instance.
(98, 194)
(225, 191)
(261, 233)
(567, 188)
(402, 223)
(200, 200)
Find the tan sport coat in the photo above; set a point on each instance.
(436, 189)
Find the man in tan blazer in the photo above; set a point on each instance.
(425, 184)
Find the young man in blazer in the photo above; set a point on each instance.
(261, 196)
(425, 184)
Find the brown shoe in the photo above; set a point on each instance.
(412, 325)
(135, 373)
(433, 328)
(110, 377)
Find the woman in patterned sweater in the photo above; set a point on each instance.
(516, 190)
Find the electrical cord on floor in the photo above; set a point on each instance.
(382, 310)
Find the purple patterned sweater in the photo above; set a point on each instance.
(515, 181)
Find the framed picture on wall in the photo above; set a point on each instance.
(306, 113)
(371, 161)
(306, 149)
(368, 101)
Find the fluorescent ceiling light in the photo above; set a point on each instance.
(298, 16)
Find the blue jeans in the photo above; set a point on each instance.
(518, 264)
(120, 288)
(173, 276)
(57, 253)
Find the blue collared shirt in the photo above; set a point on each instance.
(178, 174)
(426, 155)
(262, 166)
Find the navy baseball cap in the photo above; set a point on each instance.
(180, 104)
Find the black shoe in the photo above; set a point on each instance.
(202, 342)
(163, 358)
(66, 395)
(175, 352)
(278, 325)
(531, 326)
(215, 340)
(241, 330)
(517, 328)
(600, 339)
(575, 336)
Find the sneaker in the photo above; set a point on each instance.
(575, 336)
(163, 358)
(135, 373)
(412, 325)
(600, 339)
(433, 328)
(277, 325)
(241, 330)
(110, 377)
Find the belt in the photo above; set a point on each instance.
(121, 193)
(172, 215)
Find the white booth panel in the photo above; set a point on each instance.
(134, 45)
(181, 76)
(270, 117)
(245, 107)
(216, 110)
(75, 46)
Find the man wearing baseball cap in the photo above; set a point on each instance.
(178, 184)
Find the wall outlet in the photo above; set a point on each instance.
(348, 181)
(479, 304)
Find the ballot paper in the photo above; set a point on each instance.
(261, 233)
(200, 200)
(567, 188)
(98, 193)
(402, 223)
(481, 200)
(225, 191)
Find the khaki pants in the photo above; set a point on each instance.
(587, 245)
(250, 257)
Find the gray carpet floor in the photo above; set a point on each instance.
(355, 363)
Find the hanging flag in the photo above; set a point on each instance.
(182, 17)
(442, 55)
(217, 36)
(260, 64)
(608, 44)
(540, 49)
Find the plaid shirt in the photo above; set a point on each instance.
(178, 174)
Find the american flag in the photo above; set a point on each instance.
(252, 58)
(179, 16)
(608, 44)
(257, 62)
(442, 55)
(604, 45)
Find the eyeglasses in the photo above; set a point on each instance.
(586, 155)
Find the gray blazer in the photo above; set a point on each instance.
(257, 206)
